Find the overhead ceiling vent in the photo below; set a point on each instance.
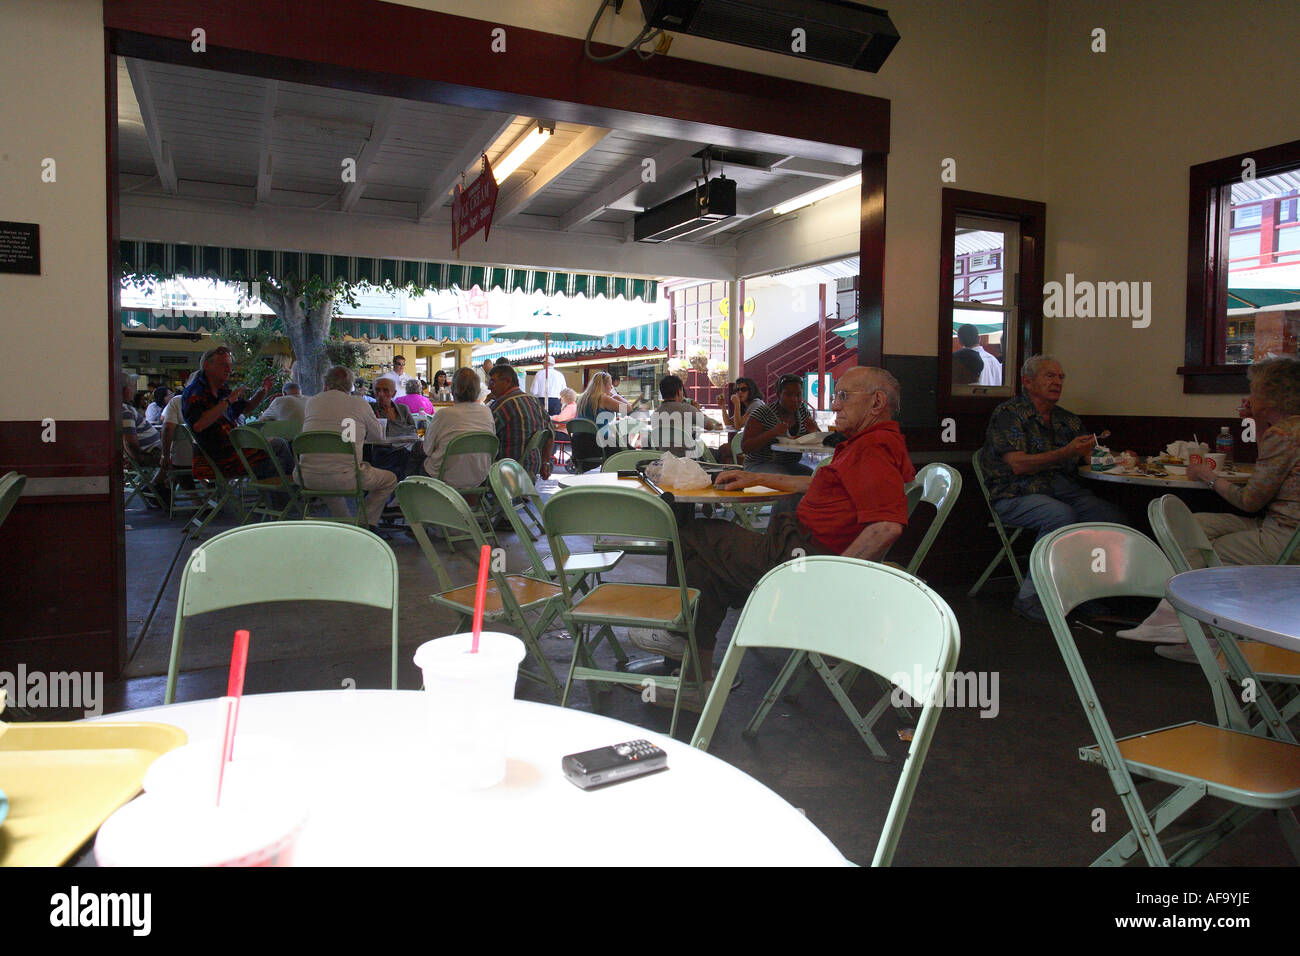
(833, 31)
(690, 212)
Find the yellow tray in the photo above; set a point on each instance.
(64, 779)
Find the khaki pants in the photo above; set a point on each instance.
(378, 482)
(1242, 541)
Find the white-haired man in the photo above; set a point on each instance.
(1031, 458)
(334, 410)
(289, 407)
(854, 505)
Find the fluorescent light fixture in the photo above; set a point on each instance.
(519, 153)
(830, 189)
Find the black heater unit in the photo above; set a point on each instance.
(687, 213)
(834, 31)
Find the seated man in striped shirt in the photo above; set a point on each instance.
(518, 417)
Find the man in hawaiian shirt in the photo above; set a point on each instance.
(1030, 461)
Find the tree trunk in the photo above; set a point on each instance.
(308, 330)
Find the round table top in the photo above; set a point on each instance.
(1177, 482)
(1260, 602)
(818, 450)
(373, 802)
(697, 496)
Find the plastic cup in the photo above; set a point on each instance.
(257, 824)
(468, 697)
(383, 427)
(1216, 461)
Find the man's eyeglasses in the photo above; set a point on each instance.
(743, 388)
(842, 395)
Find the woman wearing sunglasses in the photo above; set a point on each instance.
(735, 410)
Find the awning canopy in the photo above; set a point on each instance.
(165, 259)
(386, 329)
(651, 337)
(1261, 299)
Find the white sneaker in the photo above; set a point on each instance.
(1183, 653)
(1155, 634)
(692, 699)
(658, 642)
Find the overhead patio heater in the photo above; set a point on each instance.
(829, 31)
(709, 203)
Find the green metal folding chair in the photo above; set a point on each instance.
(510, 483)
(914, 640)
(484, 508)
(184, 496)
(509, 598)
(632, 513)
(11, 489)
(1289, 551)
(140, 479)
(330, 443)
(936, 484)
(629, 460)
(996, 524)
(1178, 532)
(537, 441)
(247, 566)
(288, 430)
(250, 439)
(1085, 562)
(218, 491)
(583, 460)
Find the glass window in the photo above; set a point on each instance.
(984, 318)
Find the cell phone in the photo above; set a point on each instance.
(605, 765)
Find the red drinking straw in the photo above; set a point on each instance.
(235, 685)
(227, 707)
(484, 557)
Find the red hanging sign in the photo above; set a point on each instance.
(472, 208)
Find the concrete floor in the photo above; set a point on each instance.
(1005, 790)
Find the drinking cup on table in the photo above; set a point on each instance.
(257, 824)
(1215, 461)
(468, 699)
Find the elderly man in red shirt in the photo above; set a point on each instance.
(853, 505)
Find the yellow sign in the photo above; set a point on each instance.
(724, 327)
(749, 306)
(725, 306)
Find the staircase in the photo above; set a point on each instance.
(797, 355)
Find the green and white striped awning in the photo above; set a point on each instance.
(651, 337)
(165, 259)
(386, 329)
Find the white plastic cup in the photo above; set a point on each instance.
(1216, 461)
(383, 427)
(469, 699)
(256, 825)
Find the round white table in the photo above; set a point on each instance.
(1260, 602)
(817, 451)
(375, 802)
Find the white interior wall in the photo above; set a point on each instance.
(52, 75)
(779, 311)
(1179, 84)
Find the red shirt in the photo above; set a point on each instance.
(860, 485)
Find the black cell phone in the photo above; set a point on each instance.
(596, 768)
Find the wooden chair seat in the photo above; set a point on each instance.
(646, 602)
(1260, 770)
(527, 591)
(1269, 662)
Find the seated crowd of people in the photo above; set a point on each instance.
(853, 504)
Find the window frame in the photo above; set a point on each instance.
(1209, 229)
(1028, 287)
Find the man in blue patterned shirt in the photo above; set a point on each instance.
(1030, 459)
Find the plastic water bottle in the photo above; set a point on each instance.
(1223, 446)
